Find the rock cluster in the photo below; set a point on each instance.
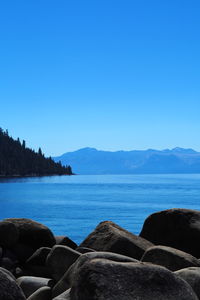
(161, 263)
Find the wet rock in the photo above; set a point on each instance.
(170, 258)
(108, 236)
(177, 228)
(102, 279)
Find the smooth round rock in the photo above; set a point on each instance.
(65, 241)
(172, 259)
(63, 296)
(60, 259)
(102, 279)
(109, 236)
(177, 228)
(7, 273)
(38, 258)
(30, 284)
(22, 251)
(32, 233)
(67, 280)
(9, 290)
(84, 250)
(43, 293)
(192, 276)
(9, 234)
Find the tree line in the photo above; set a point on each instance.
(18, 160)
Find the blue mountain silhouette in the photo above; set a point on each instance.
(93, 161)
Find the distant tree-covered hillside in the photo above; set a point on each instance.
(17, 159)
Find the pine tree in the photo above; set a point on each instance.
(17, 159)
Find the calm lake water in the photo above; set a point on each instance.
(74, 205)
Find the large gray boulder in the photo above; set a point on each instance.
(101, 279)
(108, 236)
(177, 228)
(43, 293)
(65, 241)
(7, 273)
(9, 234)
(32, 233)
(60, 259)
(192, 276)
(63, 296)
(30, 284)
(170, 258)
(83, 250)
(9, 290)
(9, 260)
(67, 280)
(22, 251)
(36, 264)
(39, 257)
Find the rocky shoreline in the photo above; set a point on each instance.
(161, 263)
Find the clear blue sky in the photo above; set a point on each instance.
(108, 74)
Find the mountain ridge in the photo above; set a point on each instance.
(92, 161)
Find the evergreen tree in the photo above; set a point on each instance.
(17, 159)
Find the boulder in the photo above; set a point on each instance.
(8, 264)
(39, 257)
(102, 279)
(192, 276)
(9, 290)
(63, 296)
(32, 233)
(60, 259)
(108, 236)
(19, 272)
(177, 228)
(43, 293)
(67, 280)
(37, 271)
(65, 241)
(22, 252)
(9, 260)
(170, 258)
(36, 264)
(30, 284)
(9, 234)
(84, 250)
(7, 273)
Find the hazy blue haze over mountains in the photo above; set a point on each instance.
(93, 161)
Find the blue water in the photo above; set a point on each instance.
(74, 205)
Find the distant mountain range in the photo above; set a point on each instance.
(93, 161)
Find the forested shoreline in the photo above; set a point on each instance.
(18, 160)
